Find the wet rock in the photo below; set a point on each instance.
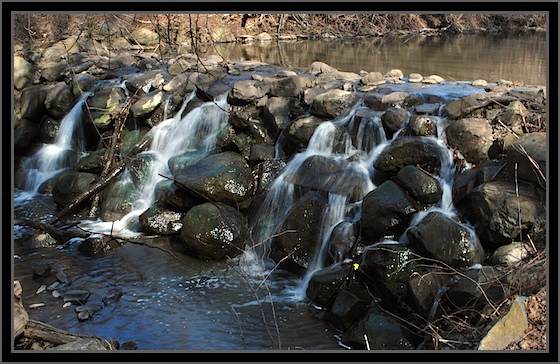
(140, 168)
(266, 172)
(421, 151)
(470, 178)
(391, 266)
(381, 331)
(69, 185)
(86, 311)
(526, 158)
(291, 86)
(159, 220)
(77, 296)
(112, 296)
(421, 186)
(183, 63)
(504, 211)
(98, 244)
(333, 103)
(94, 162)
(347, 308)
(41, 269)
(394, 119)
(58, 100)
(317, 68)
(394, 99)
(62, 277)
(343, 237)
(422, 126)
(169, 196)
(213, 231)
(179, 84)
(325, 284)
(447, 240)
(472, 137)
(117, 200)
(82, 82)
(223, 177)
(477, 287)
(387, 211)
(40, 239)
(295, 245)
(301, 130)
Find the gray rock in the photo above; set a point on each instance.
(503, 210)
(333, 103)
(422, 126)
(526, 158)
(77, 296)
(472, 137)
(510, 254)
(507, 329)
(59, 99)
(476, 287)
(88, 344)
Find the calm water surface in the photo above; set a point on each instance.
(467, 57)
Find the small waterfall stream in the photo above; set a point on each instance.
(195, 133)
(51, 159)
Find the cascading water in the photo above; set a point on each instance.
(53, 158)
(195, 133)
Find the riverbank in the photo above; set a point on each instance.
(524, 114)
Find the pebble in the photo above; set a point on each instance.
(41, 289)
(56, 294)
(67, 304)
(53, 286)
(36, 305)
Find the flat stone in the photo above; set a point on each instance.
(508, 328)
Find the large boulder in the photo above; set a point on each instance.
(69, 185)
(447, 240)
(333, 103)
(224, 177)
(117, 200)
(394, 119)
(504, 210)
(421, 186)
(324, 284)
(472, 137)
(297, 240)
(387, 211)
(526, 158)
(213, 231)
(59, 99)
(420, 151)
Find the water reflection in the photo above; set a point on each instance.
(515, 57)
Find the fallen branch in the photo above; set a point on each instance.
(103, 182)
(53, 231)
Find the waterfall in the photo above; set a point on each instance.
(51, 159)
(196, 132)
